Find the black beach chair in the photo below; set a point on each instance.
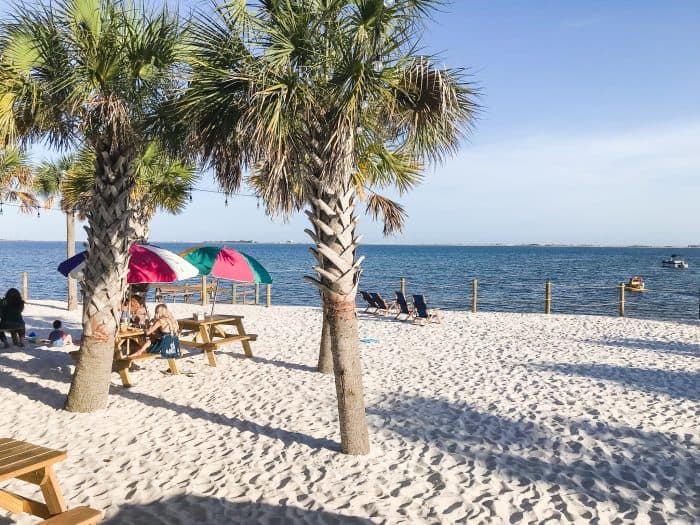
(403, 307)
(382, 306)
(423, 312)
(366, 297)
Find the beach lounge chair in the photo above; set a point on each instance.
(403, 307)
(370, 302)
(382, 306)
(423, 312)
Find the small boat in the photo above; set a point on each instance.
(635, 284)
(674, 262)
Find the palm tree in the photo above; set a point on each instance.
(91, 72)
(48, 180)
(16, 180)
(162, 184)
(296, 91)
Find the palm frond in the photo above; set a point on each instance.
(391, 213)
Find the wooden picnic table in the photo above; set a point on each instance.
(123, 360)
(33, 464)
(208, 334)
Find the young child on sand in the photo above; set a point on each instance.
(58, 337)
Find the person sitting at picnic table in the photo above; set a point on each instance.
(136, 309)
(58, 337)
(11, 320)
(162, 334)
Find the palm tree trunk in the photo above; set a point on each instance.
(338, 274)
(70, 252)
(325, 355)
(104, 278)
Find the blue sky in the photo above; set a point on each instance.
(590, 133)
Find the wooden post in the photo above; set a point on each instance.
(548, 297)
(25, 286)
(233, 292)
(205, 292)
(257, 293)
(268, 295)
(475, 291)
(622, 299)
(403, 286)
(70, 252)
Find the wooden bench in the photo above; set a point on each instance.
(187, 291)
(123, 363)
(76, 516)
(217, 343)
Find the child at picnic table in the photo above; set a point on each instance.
(162, 334)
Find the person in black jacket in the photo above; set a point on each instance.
(11, 320)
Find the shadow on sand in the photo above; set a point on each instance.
(186, 509)
(669, 347)
(49, 365)
(675, 383)
(620, 465)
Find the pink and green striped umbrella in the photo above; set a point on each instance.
(147, 264)
(224, 263)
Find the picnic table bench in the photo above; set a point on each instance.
(34, 464)
(208, 334)
(123, 361)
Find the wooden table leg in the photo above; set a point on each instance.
(244, 342)
(52, 492)
(123, 369)
(173, 367)
(204, 332)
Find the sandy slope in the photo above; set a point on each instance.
(491, 418)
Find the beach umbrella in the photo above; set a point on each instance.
(225, 263)
(147, 264)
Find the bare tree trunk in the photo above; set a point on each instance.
(104, 278)
(338, 274)
(325, 355)
(70, 252)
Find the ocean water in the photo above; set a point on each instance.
(510, 278)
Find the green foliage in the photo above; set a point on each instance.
(294, 90)
(85, 71)
(163, 181)
(16, 181)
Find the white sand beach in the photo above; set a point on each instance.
(486, 418)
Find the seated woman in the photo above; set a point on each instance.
(136, 311)
(163, 335)
(11, 308)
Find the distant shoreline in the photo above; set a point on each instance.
(470, 245)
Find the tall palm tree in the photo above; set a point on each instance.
(91, 72)
(377, 169)
(48, 180)
(295, 91)
(16, 180)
